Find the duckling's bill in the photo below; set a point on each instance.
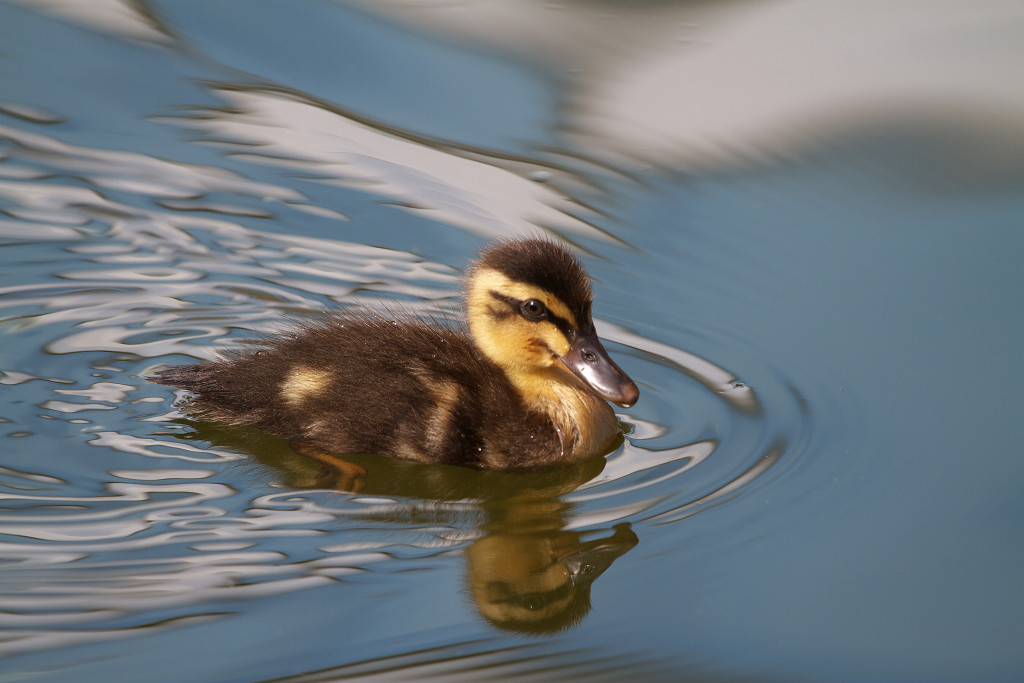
(588, 360)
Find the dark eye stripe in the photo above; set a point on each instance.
(561, 323)
(502, 313)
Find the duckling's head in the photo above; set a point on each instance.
(528, 304)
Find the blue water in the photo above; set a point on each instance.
(804, 223)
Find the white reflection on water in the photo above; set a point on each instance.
(707, 85)
(451, 185)
(713, 377)
(159, 448)
(65, 407)
(137, 173)
(79, 569)
(124, 18)
(140, 271)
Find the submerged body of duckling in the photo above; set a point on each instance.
(525, 386)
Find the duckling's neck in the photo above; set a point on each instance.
(586, 424)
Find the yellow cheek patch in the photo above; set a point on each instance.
(503, 334)
(303, 382)
(486, 280)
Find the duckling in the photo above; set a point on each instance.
(525, 386)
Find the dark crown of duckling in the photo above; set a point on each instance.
(525, 387)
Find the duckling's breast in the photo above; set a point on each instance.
(586, 424)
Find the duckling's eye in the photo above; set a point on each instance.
(533, 310)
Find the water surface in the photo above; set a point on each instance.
(803, 221)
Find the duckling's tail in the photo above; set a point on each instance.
(190, 377)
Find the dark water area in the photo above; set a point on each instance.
(805, 226)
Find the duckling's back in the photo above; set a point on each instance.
(349, 384)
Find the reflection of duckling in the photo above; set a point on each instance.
(525, 572)
(539, 582)
(525, 387)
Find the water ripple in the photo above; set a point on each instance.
(147, 514)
